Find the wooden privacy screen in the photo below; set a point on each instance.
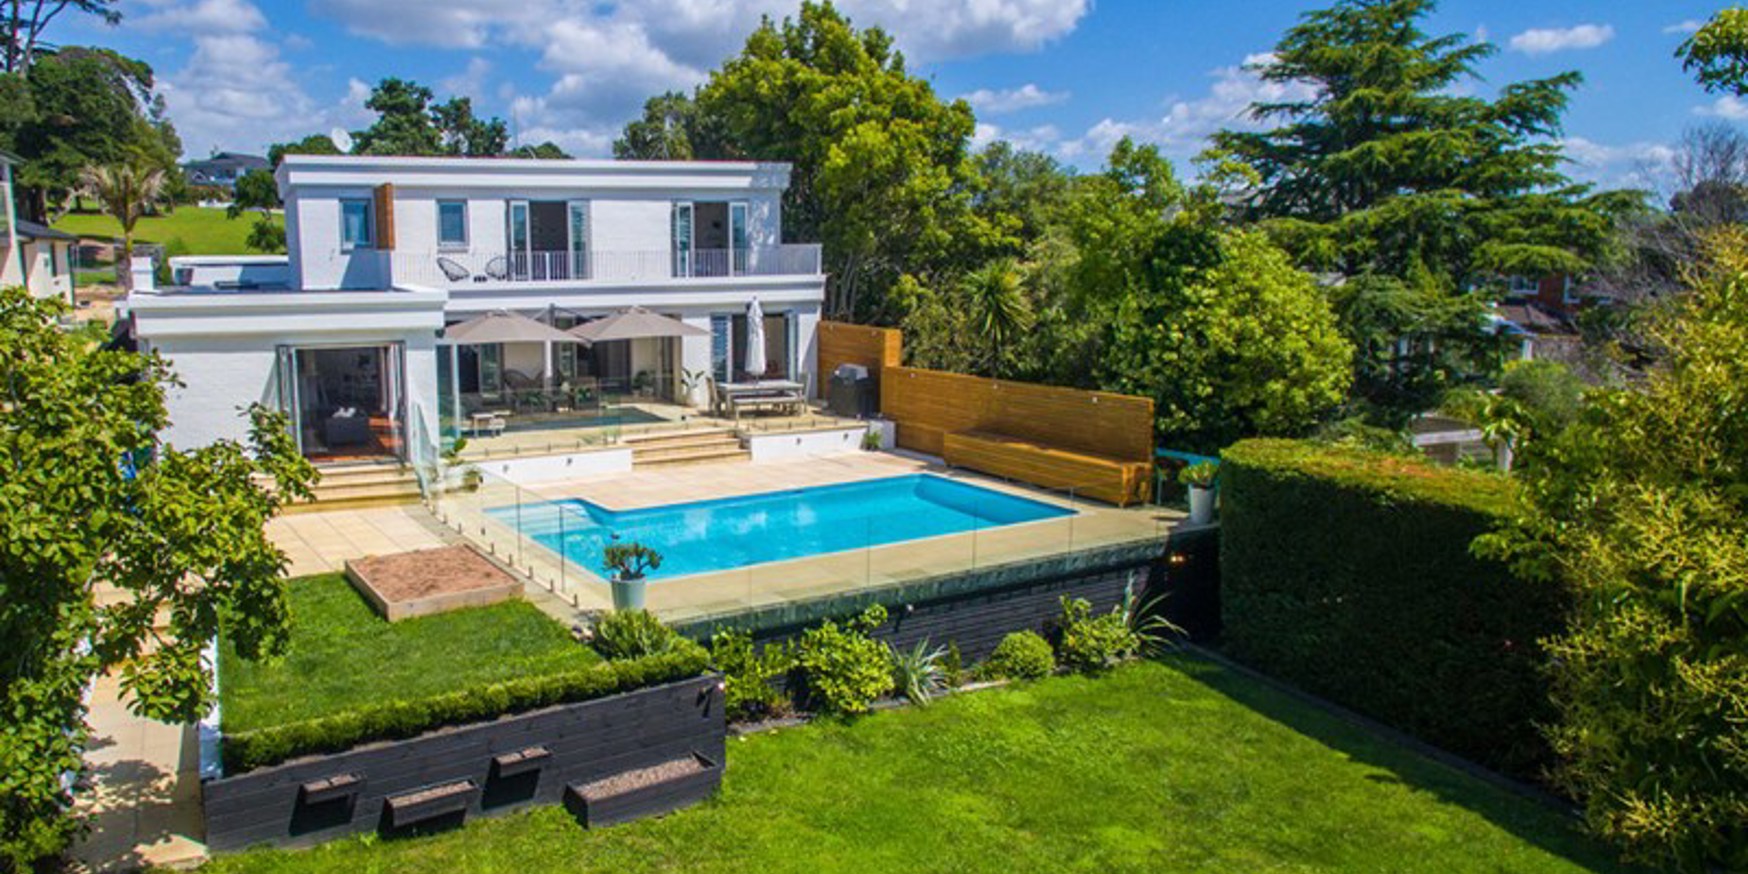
(1098, 444)
(843, 343)
(928, 404)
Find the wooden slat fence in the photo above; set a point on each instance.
(844, 343)
(929, 404)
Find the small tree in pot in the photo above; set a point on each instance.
(1199, 478)
(629, 562)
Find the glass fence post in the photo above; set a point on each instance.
(516, 492)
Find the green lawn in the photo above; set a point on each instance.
(202, 231)
(342, 654)
(1160, 767)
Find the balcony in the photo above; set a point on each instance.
(463, 270)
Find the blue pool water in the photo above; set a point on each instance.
(773, 526)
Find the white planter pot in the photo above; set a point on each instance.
(628, 594)
(1201, 505)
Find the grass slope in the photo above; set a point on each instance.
(342, 654)
(1159, 767)
(202, 231)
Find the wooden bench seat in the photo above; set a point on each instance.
(1106, 479)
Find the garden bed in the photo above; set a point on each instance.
(428, 581)
(350, 677)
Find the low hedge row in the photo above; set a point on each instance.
(1349, 574)
(393, 720)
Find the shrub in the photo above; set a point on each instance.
(750, 675)
(1022, 655)
(1093, 643)
(953, 665)
(916, 672)
(1200, 475)
(633, 634)
(842, 669)
(1348, 573)
(400, 719)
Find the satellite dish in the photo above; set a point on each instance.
(341, 139)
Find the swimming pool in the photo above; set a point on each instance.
(735, 532)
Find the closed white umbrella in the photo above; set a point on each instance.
(755, 340)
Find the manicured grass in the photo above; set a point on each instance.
(1160, 767)
(343, 654)
(202, 231)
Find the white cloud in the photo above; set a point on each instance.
(1692, 25)
(1729, 107)
(202, 17)
(470, 82)
(998, 101)
(1643, 165)
(1042, 138)
(1545, 40)
(1186, 124)
(606, 58)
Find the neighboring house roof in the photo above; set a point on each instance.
(34, 231)
(1535, 318)
(226, 164)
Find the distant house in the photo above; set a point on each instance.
(46, 256)
(1542, 314)
(224, 168)
(11, 269)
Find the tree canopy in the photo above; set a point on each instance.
(89, 499)
(1641, 507)
(79, 107)
(1717, 53)
(882, 175)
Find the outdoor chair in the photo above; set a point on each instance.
(453, 271)
(498, 268)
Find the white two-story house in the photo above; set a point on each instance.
(388, 254)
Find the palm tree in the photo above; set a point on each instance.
(998, 309)
(127, 191)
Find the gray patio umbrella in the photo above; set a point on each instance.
(634, 323)
(503, 326)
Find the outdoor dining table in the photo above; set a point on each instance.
(757, 389)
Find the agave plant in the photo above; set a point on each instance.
(1147, 623)
(917, 673)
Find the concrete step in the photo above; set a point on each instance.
(692, 455)
(675, 436)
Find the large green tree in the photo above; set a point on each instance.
(409, 121)
(882, 175)
(1641, 507)
(1390, 167)
(90, 499)
(1146, 292)
(80, 107)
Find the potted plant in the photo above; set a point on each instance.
(628, 562)
(1199, 478)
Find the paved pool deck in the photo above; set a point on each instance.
(715, 595)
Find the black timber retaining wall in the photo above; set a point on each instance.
(585, 741)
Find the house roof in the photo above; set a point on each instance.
(32, 231)
(1535, 318)
(228, 161)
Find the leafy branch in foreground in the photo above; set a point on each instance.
(89, 500)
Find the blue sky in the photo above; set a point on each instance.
(1065, 76)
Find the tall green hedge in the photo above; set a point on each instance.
(1348, 573)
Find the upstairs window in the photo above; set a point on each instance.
(357, 229)
(452, 224)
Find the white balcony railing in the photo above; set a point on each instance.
(466, 269)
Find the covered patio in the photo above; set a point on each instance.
(504, 372)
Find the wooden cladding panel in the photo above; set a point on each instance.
(844, 343)
(384, 201)
(928, 404)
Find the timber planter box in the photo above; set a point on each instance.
(651, 791)
(479, 769)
